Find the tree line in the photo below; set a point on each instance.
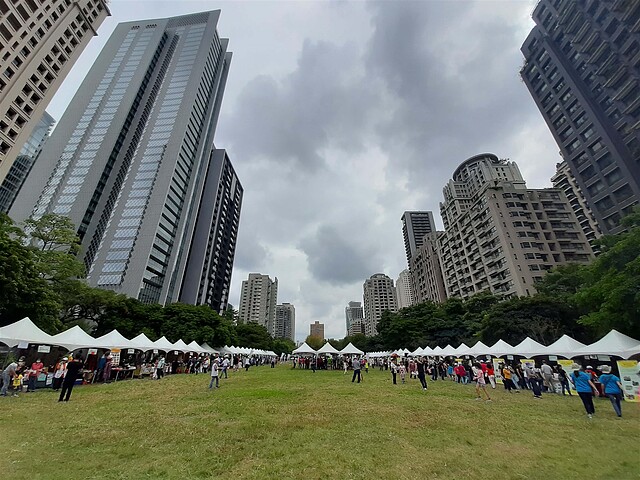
(41, 278)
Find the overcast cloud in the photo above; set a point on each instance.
(339, 116)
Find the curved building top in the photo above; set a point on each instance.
(475, 159)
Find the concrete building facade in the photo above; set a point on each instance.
(379, 295)
(133, 164)
(40, 40)
(285, 322)
(404, 289)
(258, 300)
(23, 164)
(354, 315)
(316, 329)
(565, 181)
(500, 236)
(582, 69)
(426, 271)
(415, 225)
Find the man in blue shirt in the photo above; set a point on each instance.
(612, 388)
(585, 388)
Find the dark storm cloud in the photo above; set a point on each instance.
(323, 103)
(335, 258)
(451, 74)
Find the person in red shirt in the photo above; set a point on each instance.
(36, 368)
(492, 375)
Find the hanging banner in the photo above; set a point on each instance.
(44, 349)
(630, 379)
(497, 370)
(566, 366)
(528, 362)
(115, 356)
(92, 351)
(23, 345)
(131, 350)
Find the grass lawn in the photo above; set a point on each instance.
(292, 424)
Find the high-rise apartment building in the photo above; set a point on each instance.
(500, 236)
(354, 318)
(133, 164)
(22, 165)
(404, 289)
(426, 272)
(258, 300)
(316, 329)
(379, 296)
(285, 322)
(565, 181)
(581, 67)
(40, 40)
(415, 225)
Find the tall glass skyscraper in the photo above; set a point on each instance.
(24, 162)
(132, 158)
(582, 67)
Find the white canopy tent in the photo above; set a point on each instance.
(613, 343)
(565, 347)
(328, 348)
(437, 351)
(163, 344)
(24, 331)
(205, 346)
(74, 338)
(142, 342)
(417, 352)
(478, 349)
(427, 351)
(114, 339)
(529, 348)
(196, 348)
(351, 350)
(181, 346)
(462, 350)
(447, 351)
(304, 349)
(501, 348)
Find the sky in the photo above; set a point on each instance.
(338, 116)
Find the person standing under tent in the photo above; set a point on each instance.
(421, 372)
(160, 367)
(247, 364)
(356, 369)
(58, 375)
(612, 388)
(36, 369)
(547, 376)
(491, 373)
(214, 375)
(563, 379)
(107, 369)
(481, 385)
(585, 388)
(73, 370)
(8, 373)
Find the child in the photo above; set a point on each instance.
(17, 383)
(403, 371)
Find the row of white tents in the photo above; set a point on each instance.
(25, 331)
(613, 344)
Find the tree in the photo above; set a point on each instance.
(283, 345)
(55, 245)
(314, 341)
(22, 291)
(253, 335)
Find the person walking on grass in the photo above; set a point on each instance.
(214, 375)
(506, 379)
(74, 368)
(612, 388)
(547, 376)
(585, 388)
(394, 373)
(421, 373)
(481, 384)
(491, 373)
(564, 380)
(403, 372)
(356, 369)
